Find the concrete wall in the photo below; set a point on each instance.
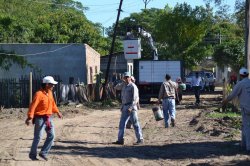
(65, 60)
(93, 64)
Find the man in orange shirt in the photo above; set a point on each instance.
(40, 111)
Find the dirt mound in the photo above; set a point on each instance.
(225, 127)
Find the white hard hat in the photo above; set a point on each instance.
(49, 80)
(243, 71)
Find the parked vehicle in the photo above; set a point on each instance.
(151, 74)
(209, 81)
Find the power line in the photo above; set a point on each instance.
(39, 53)
(110, 8)
(104, 22)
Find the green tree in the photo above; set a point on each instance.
(230, 54)
(181, 32)
(144, 19)
(230, 48)
(228, 31)
(48, 21)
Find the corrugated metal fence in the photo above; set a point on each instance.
(15, 92)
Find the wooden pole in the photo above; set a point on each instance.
(30, 89)
(111, 52)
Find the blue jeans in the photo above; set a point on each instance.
(245, 133)
(168, 110)
(125, 116)
(39, 128)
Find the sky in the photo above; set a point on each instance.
(105, 11)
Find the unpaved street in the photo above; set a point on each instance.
(84, 137)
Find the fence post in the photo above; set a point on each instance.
(30, 89)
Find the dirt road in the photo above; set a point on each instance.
(84, 137)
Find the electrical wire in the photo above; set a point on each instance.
(39, 53)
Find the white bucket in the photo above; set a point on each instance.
(158, 113)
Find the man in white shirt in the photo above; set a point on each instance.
(130, 97)
(242, 91)
(196, 84)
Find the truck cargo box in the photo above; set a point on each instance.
(150, 74)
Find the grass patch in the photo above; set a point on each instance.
(105, 104)
(224, 114)
(228, 119)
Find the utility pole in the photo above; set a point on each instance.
(247, 38)
(111, 51)
(146, 3)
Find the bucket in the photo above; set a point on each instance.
(182, 86)
(157, 113)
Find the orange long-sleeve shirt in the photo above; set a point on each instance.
(43, 104)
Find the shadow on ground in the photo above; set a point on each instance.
(200, 150)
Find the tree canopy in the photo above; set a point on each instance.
(186, 33)
(48, 21)
(180, 33)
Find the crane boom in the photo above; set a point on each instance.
(150, 40)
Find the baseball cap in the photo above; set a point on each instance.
(127, 74)
(49, 80)
(243, 71)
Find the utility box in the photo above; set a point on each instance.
(132, 48)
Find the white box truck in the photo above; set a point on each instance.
(150, 75)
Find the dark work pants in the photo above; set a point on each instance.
(197, 92)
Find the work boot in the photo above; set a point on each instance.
(118, 142)
(139, 142)
(32, 157)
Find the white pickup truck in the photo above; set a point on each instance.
(208, 80)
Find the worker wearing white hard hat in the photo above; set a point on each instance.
(40, 114)
(242, 91)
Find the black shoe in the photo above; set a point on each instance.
(33, 158)
(118, 142)
(43, 156)
(172, 122)
(139, 142)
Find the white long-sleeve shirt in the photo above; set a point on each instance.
(196, 81)
(242, 90)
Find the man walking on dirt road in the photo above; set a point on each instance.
(196, 86)
(40, 111)
(129, 108)
(167, 93)
(242, 90)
